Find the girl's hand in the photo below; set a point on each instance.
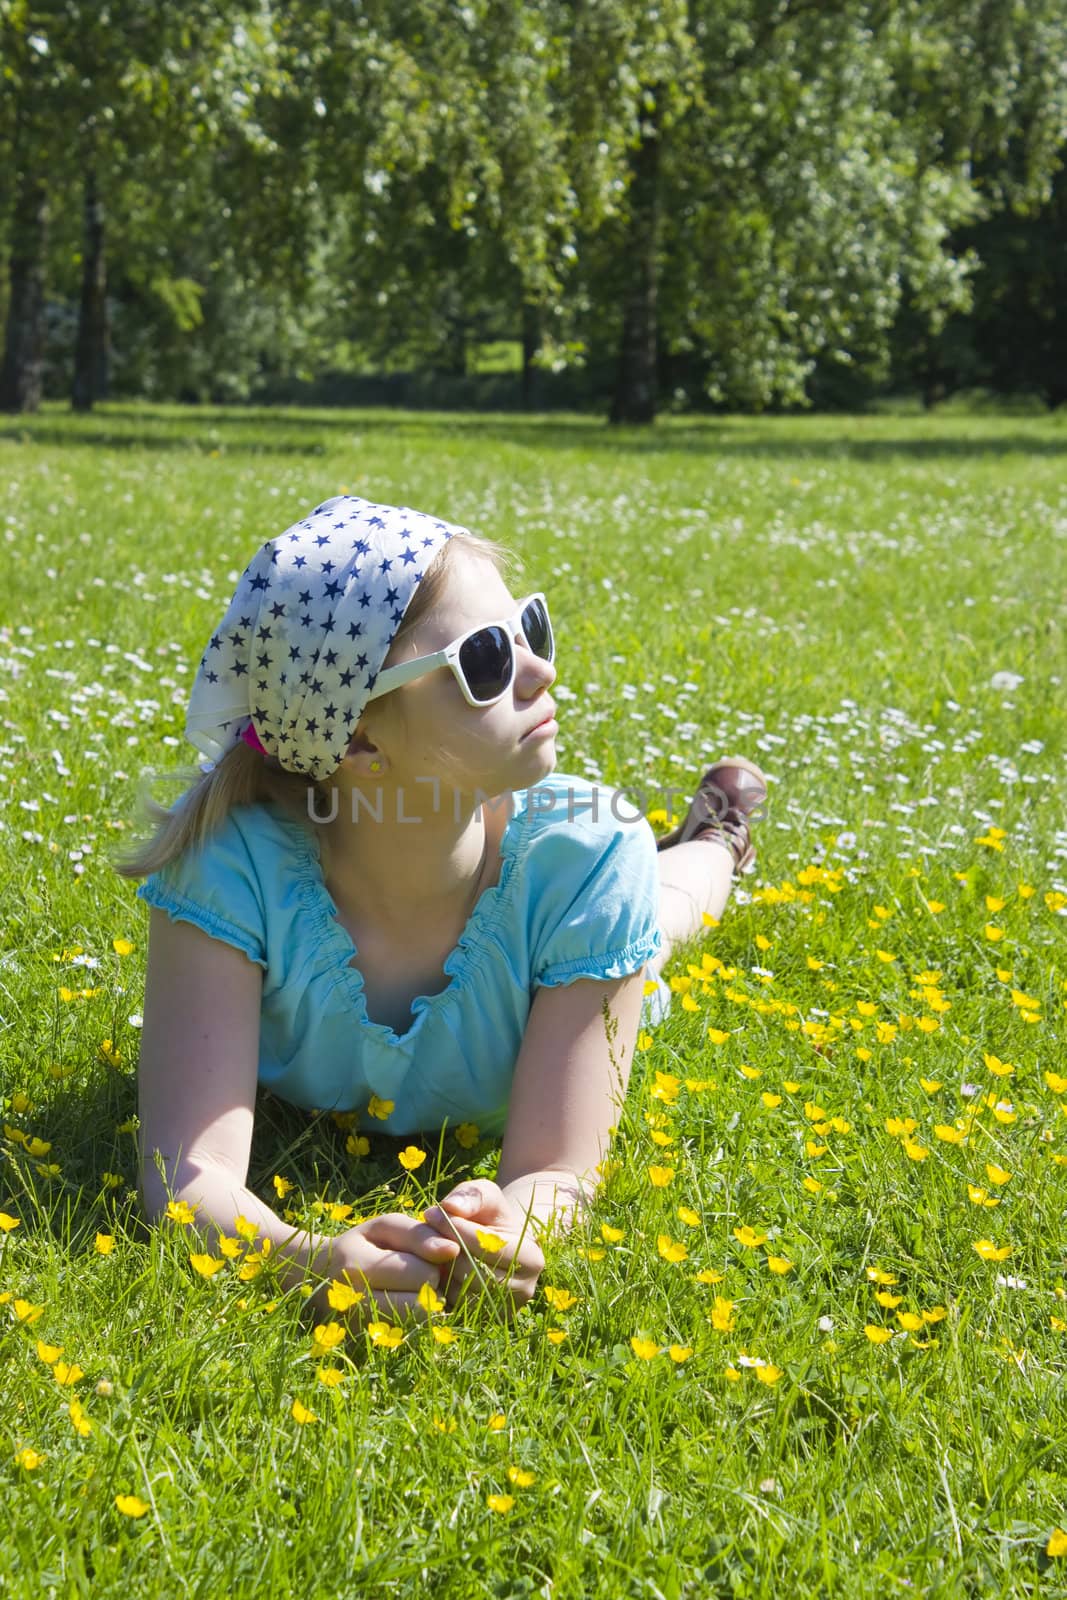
(387, 1259)
(479, 1206)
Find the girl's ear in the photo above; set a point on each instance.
(364, 758)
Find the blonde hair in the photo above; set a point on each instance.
(243, 776)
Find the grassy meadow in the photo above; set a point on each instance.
(812, 1341)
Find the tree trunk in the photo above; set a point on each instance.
(21, 372)
(531, 344)
(92, 350)
(635, 386)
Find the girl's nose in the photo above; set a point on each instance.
(530, 668)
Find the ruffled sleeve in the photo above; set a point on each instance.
(217, 888)
(597, 912)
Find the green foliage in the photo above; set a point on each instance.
(836, 597)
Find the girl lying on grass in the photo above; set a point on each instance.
(380, 897)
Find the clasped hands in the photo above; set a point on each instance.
(475, 1236)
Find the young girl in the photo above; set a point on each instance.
(381, 897)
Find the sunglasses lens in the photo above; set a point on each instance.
(485, 660)
(538, 629)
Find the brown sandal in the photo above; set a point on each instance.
(728, 798)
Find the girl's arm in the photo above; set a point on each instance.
(568, 1091)
(197, 1087)
(569, 1085)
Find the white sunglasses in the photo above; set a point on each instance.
(482, 660)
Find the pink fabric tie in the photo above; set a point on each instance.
(252, 739)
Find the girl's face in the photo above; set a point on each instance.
(427, 728)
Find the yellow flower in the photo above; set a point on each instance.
(207, 1266)
(411, 1157)
(644, 1039)
(282, 1186)
(722, 1315)
(492, 1242)
(779, 1265)
(1056, 1083)
(428, 1300)
(357, 1144)
(444, 1335)
(996, 1174)
(302, 1413)
(500, 1502)
(877, 1275)
(244, 1229)
(230, 1248)
(930, 1085)
(29, 1460)
(385, 1334)
(771, 1101)
(380, 1108)
(181, 1211)
(644, 1349)
(749, 1237)
(813, 964)
(27, 1313)
(559, 1299)
(689, 1217)
(890, 1301)
(750, 1072)
(131, 1505)
(326, 1337)
(948, 1134)
(1055, 900)
(814, 1150)
(709, 1275)
(768, 1373)
(520, 1477)
(660, 1177)
(122, 947)
(66, 1373)
(718, 1035)
(732, 1374)
(999, 1069)
(979, 1197)
(915, 1151)
(330, 1376)
(609, 1234)
(445, 1424)
(993, 933)
(1057, 1543)
(935, 907)
(989, 1251)
(680, 1352)
(812, 1185)
(670, 1249)
(467, 1135)
(497, 1422)
(48, 1353)
(556, 1335)
(878, 1335)
(104, 1243)
(909, 1321)
(901, 1125)
(81, 1424)
(8, 1222)
(885, 955)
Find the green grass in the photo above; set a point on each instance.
(834, 597)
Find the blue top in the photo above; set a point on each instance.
(578, 897)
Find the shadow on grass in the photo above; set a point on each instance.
(284, 432)
(87, 1126)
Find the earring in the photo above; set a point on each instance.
(376, 766)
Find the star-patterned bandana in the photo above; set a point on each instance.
(301, 645)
